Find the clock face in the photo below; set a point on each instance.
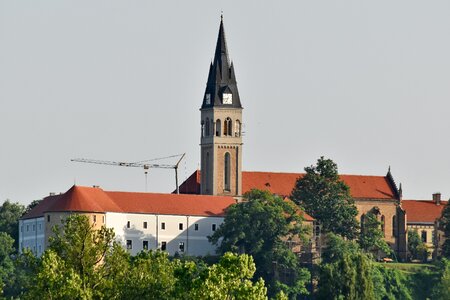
(227, 99)
(208, 99)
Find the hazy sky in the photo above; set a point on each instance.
(366, 83)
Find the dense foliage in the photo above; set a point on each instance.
(445, 226)
(442, 289)
(322, 194)
(10, 214)
(416, 247)
(265, 226)
(83, 263)
(371, 238)
(347, 272)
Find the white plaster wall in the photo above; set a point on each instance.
(195, 241)
(32, 235)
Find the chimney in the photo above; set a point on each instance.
(52, 194)
(437, 198)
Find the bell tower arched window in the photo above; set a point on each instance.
(227, 172)
(207, 179)
(203, 129)
(227, 127)
(218, 127)
(237, 128)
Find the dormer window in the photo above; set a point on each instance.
(208, 99)
(227, 98)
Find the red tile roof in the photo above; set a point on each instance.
(43, 206)
(361, 186)
(193, 205)
(422, 211)
(88, 199)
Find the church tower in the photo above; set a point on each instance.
(221, 127)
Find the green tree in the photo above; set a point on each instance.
(371, 238)
(25, 269)
(345, 272)
(390, 284)
(416, 247)
(87, 256)
(260, 226)
(441, 291)
(6, 263)
(56, 280)
(150, 276)
(322, 194)
(444, 225)
(32, 205)
(230, 279)
(10, 213)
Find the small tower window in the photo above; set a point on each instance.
(207, 180)
(237, 128)
(227, 172)
(203, 129)
(218, 128)
(207, 124)
(227, 127)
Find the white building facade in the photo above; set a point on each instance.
(178, 224)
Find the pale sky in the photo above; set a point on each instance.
(365, 83)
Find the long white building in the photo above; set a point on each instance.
(173, 223)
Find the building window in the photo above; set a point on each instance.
(218, 127)
(163, 246)
(129, 244)
(163, 226)
(196, 227)
(213, 227)
(48, 218)
(227, 172)
(424, 236)
(181, 246)
(40, 249)
(180, 226)
(227, 129)
(40, 226)
(95, 218)
(237, 128)
(34, 227)
(128, 224)
(145, 225)
(145, 245)
(28, 228)
(21, 228)
(362, 220)
(382, 224)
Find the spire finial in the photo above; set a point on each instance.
(221, 15)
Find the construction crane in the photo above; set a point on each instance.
(145, 164)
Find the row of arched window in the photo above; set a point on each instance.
(210, 128)
(383, 223)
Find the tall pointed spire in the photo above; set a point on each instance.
(221, 78)
(221, 54)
